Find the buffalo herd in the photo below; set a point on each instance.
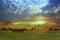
(54, 29)
(27, 29)
(19, 29)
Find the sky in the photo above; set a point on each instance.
(29, 10)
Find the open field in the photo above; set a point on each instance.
(44, 34)
(30, 35)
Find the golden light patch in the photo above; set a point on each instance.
(39, 22)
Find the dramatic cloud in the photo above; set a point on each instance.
(29, 10)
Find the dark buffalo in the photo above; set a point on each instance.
(4, 29)
(19, 30)
(56, 29)
(32, 29)
(50, 29)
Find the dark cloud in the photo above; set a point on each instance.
(52, 10)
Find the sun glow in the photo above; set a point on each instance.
(39, 22)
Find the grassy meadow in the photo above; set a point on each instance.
(30, 35)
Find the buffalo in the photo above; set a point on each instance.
(19, 30)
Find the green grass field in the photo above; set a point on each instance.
(31, 35)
